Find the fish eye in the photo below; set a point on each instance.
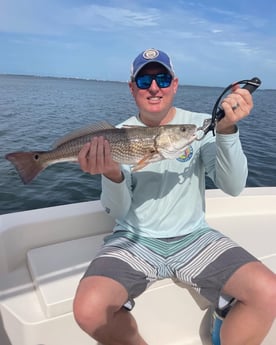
(183, 129)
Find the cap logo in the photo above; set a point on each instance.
(150, 54)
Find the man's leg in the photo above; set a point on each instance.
(254, 286)
(98, 311)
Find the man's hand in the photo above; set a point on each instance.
(236, 106)
(95, 158)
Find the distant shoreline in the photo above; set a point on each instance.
(102, 80)
(55, 77)
(88, 79)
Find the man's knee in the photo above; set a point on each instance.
(97, 299)
(268, 296)
(87, 314)
(262, 292)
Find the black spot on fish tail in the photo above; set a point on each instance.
(27, 164)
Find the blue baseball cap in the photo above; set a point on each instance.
(148, 56)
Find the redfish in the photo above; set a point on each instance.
(137, 146)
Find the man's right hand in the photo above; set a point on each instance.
(95, 158)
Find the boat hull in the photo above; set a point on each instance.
(44, 252)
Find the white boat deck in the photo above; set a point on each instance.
(43, 254)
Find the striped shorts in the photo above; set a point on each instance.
(204, 259)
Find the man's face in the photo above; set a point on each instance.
(154, 100)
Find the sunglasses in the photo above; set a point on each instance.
(163, 80)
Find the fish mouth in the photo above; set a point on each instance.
(177, 149)
(187, 143)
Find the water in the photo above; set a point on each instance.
(36, 111)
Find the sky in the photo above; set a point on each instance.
(211, 43)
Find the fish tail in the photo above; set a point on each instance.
(27, 164)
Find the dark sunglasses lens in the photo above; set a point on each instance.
(163, 80)
(144, 81)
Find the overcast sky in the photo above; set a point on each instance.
(211, 43)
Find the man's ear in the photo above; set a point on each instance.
(130, 84)
(175, 85)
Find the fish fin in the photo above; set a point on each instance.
(144, 161)
(132, 126)
(27, 164)
(82, 132)
(141, 164)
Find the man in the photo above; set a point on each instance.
(160, 225)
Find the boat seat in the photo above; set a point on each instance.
(56, 270)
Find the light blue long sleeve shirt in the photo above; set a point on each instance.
(167, 198)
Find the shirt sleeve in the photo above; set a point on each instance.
(226, 163)
(116, 197)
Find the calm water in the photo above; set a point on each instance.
(35, 112)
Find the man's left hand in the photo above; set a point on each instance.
(237, 105)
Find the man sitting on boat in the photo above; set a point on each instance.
(161, 231)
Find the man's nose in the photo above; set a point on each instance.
(154, 86)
